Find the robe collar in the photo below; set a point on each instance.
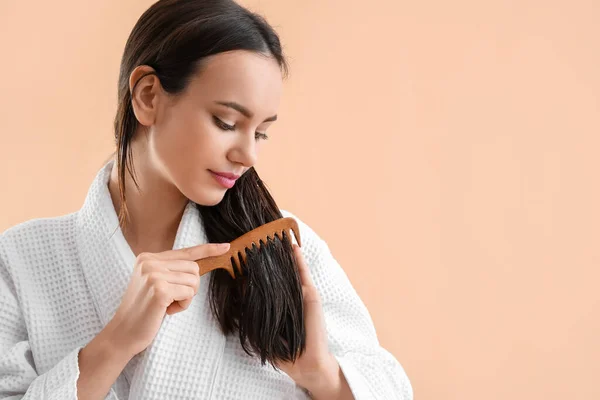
(108, 261)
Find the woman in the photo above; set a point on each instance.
(108, 301)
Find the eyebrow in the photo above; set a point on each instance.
(243, 110)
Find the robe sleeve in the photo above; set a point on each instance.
(371, 371)
(18, 376)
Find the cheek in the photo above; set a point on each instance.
(187, 148)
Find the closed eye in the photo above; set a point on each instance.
(226, 127)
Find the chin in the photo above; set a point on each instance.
(207, 199)
(212, 203)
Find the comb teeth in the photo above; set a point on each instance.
(252, 240)
(241, 256)
(260, 236)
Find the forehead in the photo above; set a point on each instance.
(249, 78)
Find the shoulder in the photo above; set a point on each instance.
(308, 235)
(328, 275)
(37, 236)
(314, 248)
(39, 226)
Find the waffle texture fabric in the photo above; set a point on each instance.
(62, 280)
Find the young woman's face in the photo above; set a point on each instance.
(218, 124)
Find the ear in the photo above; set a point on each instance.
(145, 90)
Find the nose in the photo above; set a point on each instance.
(244, 151)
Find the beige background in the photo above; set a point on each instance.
(464, 136)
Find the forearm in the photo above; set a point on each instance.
(331, 384)
(100, 364)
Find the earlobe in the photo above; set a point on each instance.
(143, 85)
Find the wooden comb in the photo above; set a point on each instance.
(237, 250)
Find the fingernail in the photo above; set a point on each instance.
(223, 245)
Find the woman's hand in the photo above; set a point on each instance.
(316, 370)
(161, 283)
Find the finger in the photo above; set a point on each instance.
(314, 320)
(181, 292)
(177, 278)
(314, 316)
(195, 253)
(183, 304)
(303, 269)
(178, 306)
(151, 265)
(189, 267)
(310, 294)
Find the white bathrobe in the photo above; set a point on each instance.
(62, 280)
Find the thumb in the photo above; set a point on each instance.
(195, 252)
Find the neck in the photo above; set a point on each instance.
(155, 211)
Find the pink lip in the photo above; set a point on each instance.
(225, 179)
(226, 175)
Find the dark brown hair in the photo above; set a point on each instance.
(265, 305)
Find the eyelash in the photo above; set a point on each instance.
(226, 127)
